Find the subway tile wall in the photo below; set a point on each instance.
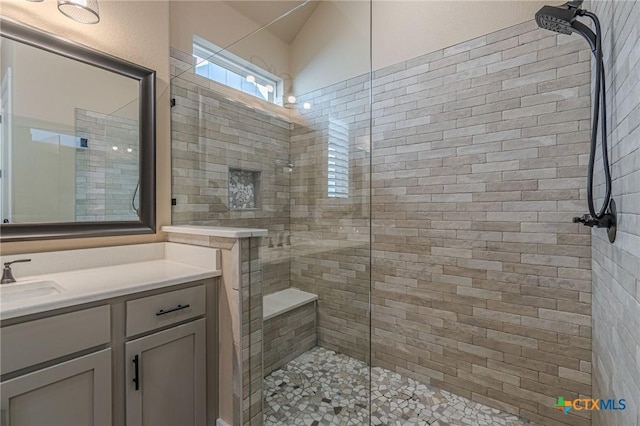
(212, 134)
(330, 235)
(481, 282)
(288, 336)
(106, 179)
(616, 267)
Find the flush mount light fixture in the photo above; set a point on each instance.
(251, 79)
(306, 105)
(83, 11)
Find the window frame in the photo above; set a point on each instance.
(216, 55)
(338, 153)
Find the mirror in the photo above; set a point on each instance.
(77, 139)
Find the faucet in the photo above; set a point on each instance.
(7, 274)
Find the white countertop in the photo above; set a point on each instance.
(105, 282)
(215, 231)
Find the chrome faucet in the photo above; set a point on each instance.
(7, 274)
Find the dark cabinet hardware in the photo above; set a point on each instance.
(136, 372)
(168, 311)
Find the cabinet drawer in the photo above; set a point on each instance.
(149, 313)
(33, 342)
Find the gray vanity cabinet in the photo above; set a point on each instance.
(76, 367)
(76, 392)
(166, 377)
(43, 391)
(166, 371)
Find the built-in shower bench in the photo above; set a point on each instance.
(289, 326)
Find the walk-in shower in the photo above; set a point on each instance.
(563, 20)
(422, 265)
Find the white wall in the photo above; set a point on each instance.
(334, 45)
(133, 30)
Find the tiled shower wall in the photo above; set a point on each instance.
(616, 267)
(106, 179)
(211, 135)
(481, 282)
(330, 235)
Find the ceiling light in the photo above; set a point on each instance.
(269, 88)
(306, 105)
(291, 99)
(251, 79)
(115, 148)
(129, 150)
(84, 11)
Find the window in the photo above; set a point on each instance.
(338, 160)
(226, 68)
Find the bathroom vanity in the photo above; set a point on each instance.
(129, 337)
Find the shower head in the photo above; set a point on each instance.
(556, 18)
(562, 19)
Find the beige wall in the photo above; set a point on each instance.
(48, 90)
(332, 46)
(49, 194)
(133, 30)
(222, 25)
(401, 30)
(50, 87)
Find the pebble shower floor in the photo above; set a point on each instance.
(321, 387)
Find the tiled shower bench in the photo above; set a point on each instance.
(289, 326)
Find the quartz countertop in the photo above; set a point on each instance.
(105, 282)
(215, 231)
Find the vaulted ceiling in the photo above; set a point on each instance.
(265, 11)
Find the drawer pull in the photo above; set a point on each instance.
(168, 311)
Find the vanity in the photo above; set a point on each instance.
(111, 336)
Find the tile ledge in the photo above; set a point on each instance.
(215, 231)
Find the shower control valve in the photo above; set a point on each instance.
(586, 220)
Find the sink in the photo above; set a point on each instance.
(21, 291)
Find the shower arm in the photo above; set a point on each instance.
(585, 32)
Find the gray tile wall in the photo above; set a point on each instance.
(211, 135)
(616, 268)
(330, 236)
(252, 330)
(481, 282)
(106, 180)
(288, 336)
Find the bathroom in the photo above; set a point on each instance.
(365, 212)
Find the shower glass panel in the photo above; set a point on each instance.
(270, 130)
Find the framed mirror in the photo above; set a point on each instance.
(77, 139)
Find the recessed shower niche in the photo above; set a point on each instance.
(244, 189)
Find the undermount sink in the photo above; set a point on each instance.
(20, 291)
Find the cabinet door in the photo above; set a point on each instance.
(76, 392)
(166, 377)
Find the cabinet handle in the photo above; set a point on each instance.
(168, 311)
(136, 378)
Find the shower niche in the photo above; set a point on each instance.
(244, 189)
